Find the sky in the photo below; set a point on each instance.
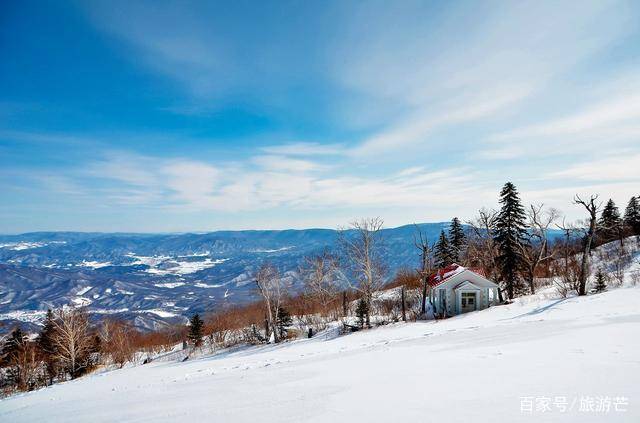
(196, 116)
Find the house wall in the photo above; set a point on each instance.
(452, 297)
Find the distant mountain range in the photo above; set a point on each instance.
(154, 279)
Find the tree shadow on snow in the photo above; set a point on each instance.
(540, 310)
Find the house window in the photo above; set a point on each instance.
(441, 299)
(468, 299)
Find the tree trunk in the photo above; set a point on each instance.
(532, 287)
(404, 308)
(510, 283)
(423, 309)
(344, 303)
(584, 268)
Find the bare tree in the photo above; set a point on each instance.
(537, 251)
(219, 327)
(590, 232)
(272, 291)
(321, 275)
(72, 340)
(426, 266)
(570, 270)
(363, 250)
(482, 250)
(120, 344)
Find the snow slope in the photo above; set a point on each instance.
(475, 367)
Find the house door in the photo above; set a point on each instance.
(468, 302)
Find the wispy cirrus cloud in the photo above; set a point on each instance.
(418, 127)
(606, 169)
(186, 184)
(608, 115)
(610, 119)
(305, 149)
(286, 163)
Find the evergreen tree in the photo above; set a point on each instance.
(10, 357)
(610, 223)
(601, 281)
(195, 330)
(442, 251)
(47, 347)
(362, 310)
(283, 321)
(457, 239)
(12, 347)
(510, 235)
(632, 215)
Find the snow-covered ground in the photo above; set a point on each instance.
(166, 265)
(539, 359)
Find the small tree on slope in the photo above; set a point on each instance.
(632, 215)
(510, 235)
(195, 330)
(610, 222)
(601, 281)
(46, 346)
(362, 311)
(283, 321)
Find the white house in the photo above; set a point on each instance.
(456, 290)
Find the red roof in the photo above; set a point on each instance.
(446, 273)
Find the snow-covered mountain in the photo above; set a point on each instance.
(155, 278)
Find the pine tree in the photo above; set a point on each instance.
(510, 236)
(195, 330)
(457, 239)
(12, 347)
(362, 310)
(442, 251)
(610, 223)
(632, 215)
(283, 321)
(10, 357)
(46, 345)
(601, 281)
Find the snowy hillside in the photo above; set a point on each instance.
(540, 359)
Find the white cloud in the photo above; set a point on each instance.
(287, 164)
(305, 149)
(125, 167)
(191, 182)
(417, 128)
(606, 169)
(606, 115)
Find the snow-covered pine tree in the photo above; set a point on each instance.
(362, 310)
(195, 330)
(610, 223)
(283, 321)
(510, 236)
(632, 215)
(601, 281)
(45, 343)
(457, 240)
(442, 251)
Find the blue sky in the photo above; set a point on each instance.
(188, 116)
